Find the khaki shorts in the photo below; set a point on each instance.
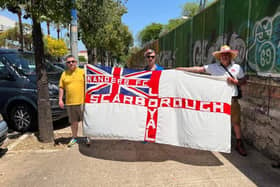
(75, 113)
(235, 112)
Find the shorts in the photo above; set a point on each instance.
(75, 113)
(235, 112)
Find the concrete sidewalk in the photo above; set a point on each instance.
(128, 163)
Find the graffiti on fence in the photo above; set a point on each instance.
(264, 46)
(202, 50)
(167, 58)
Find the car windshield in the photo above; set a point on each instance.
(25, 63)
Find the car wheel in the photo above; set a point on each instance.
(23, 117)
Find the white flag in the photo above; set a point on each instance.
(168, 107)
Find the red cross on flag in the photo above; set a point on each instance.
(168, 107)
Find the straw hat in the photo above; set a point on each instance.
(225, 49)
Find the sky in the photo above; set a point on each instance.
(141, 13)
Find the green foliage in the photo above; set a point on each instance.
(190, 9)
(55, 10)
(54, 47)
(13, 34)
(82, 59)
(90, 21)
(172, 24)
(119, 41)
(132, 52)
(125, 59)
(101, 27)
(149, 33)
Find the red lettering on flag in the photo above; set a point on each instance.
(151, 101)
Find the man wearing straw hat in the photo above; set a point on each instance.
(235, 75)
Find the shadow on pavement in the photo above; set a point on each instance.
(62, 140)
(66, 140)
(14, 134)
(132, 151)
(255, 166)
(60, 124)
(3, 152)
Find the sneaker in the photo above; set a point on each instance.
(72, 142)
(88, 141)
(240, 148)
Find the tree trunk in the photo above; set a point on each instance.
(20, 30)
(58, 31)
(44, 109)
(92, 58)
(101, 55)
(110, 59)
(94, 55)
(48, 28)
(107, 59)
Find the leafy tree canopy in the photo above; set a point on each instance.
(82, 59)
(190, 9)
(13, 34)
(54, 47)
(101, 27)
(149, 33)
(55, 10)
(172, 24)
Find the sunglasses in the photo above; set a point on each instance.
(71, 62)
(150, 56)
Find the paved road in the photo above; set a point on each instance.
(128, 163)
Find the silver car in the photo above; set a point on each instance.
(3, 130)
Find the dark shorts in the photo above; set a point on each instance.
(235, 112)
(75, 113)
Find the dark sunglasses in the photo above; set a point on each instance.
(150, 56)
(71, 62)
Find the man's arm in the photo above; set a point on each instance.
(60, 96)
(238, 82)
(194, 69)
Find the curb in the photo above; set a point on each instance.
(14, 144)
(35, 151)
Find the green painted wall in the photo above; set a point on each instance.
(250, 26)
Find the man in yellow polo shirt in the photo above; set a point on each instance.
(72, 81)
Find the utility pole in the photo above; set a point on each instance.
(74, 33)
(202, 4)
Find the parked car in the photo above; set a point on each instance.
(63, 66)
(18, 89)
(60, 65)
(81, 66)
(3, 130)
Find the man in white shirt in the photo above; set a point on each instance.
(235, 75)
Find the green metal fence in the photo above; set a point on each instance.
(250, 26)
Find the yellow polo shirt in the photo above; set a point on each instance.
(73, 84)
